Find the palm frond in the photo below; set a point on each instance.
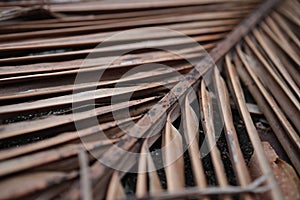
(45, 156)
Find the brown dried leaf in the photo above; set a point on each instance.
(147, 166)
(115, 188)
(191, 127)
(141, 185)
(173, 158)
(285, 175)
(24, 184)
(207, 115)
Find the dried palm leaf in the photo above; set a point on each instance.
(115, 189)
(284, 173)
(191, 127)
(174, 164)
(36, 52)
